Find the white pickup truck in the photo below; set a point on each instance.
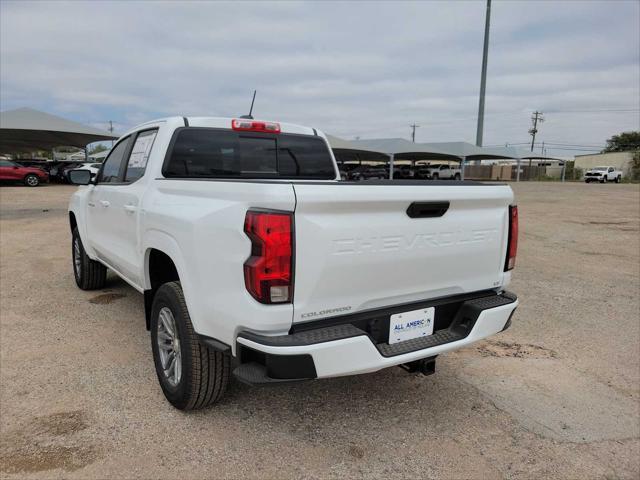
(603, 175)
(255, 260)
(440, 172)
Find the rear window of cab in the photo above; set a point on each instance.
(216, 153)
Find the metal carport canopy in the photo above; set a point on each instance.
(345, 150)
(27, 130)
(384, 148)
(401, 149)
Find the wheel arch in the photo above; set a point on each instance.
(163, 262)
(73, 223)
(76, 220)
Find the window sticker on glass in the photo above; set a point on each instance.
(142, 149)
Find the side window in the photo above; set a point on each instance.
(112, 165)
(611, 169)
(6, 163)
(140, 155)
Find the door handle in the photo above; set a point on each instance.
(427, 209)
(130, 208)
(91, 204)
(104, 203)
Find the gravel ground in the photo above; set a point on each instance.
(557, 395)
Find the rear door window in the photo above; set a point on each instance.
(216, 153)
(140, 155)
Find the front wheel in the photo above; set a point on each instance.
(618, 179)
(191, 375)
(32, 180)
(456, 176)
(89, 274)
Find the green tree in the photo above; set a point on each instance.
(97, 149)
(625, 142)
(635, 166)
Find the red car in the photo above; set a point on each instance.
(30, 176)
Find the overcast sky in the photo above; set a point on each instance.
(352, 69)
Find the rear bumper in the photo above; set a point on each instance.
(345, 349)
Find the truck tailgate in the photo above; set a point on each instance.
(357, 248)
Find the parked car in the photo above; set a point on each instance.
(41, 164)
(247, 247)
(94, 168)
(603, 175)
(405, 172)
(439, 172)
(30, 176)
(367, 172)
(62, 171)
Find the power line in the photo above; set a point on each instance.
(605, 110)
(553, 144)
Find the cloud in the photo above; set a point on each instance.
(352, 69)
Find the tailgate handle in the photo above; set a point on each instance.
(427, 209)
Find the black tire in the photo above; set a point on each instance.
(456, 176)
(204, 371)
(435, 176)
(604, 180)
(32, 180)
(618, 179)
(89, 274)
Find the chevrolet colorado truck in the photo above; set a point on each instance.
(603, 175)
(255, 260)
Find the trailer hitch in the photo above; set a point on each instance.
(426, 366)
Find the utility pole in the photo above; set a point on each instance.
(111, 130)
(537, 117)
(483, 78)
(413, 132)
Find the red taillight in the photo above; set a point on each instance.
(268, 272)
(512, 247)
(245, 125)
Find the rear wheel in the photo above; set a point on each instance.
(604, 179)
(89, 274)
(191, 375)
(435, 176)
(456, 176)
(618, 179)
(32, 180)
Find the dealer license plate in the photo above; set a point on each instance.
(408, 325)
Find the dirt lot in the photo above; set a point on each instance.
(557, 395)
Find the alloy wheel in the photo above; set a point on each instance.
(169, 346)
(77, 258)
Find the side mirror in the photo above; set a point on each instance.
(80, 177)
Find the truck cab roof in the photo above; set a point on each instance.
(225, 122)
